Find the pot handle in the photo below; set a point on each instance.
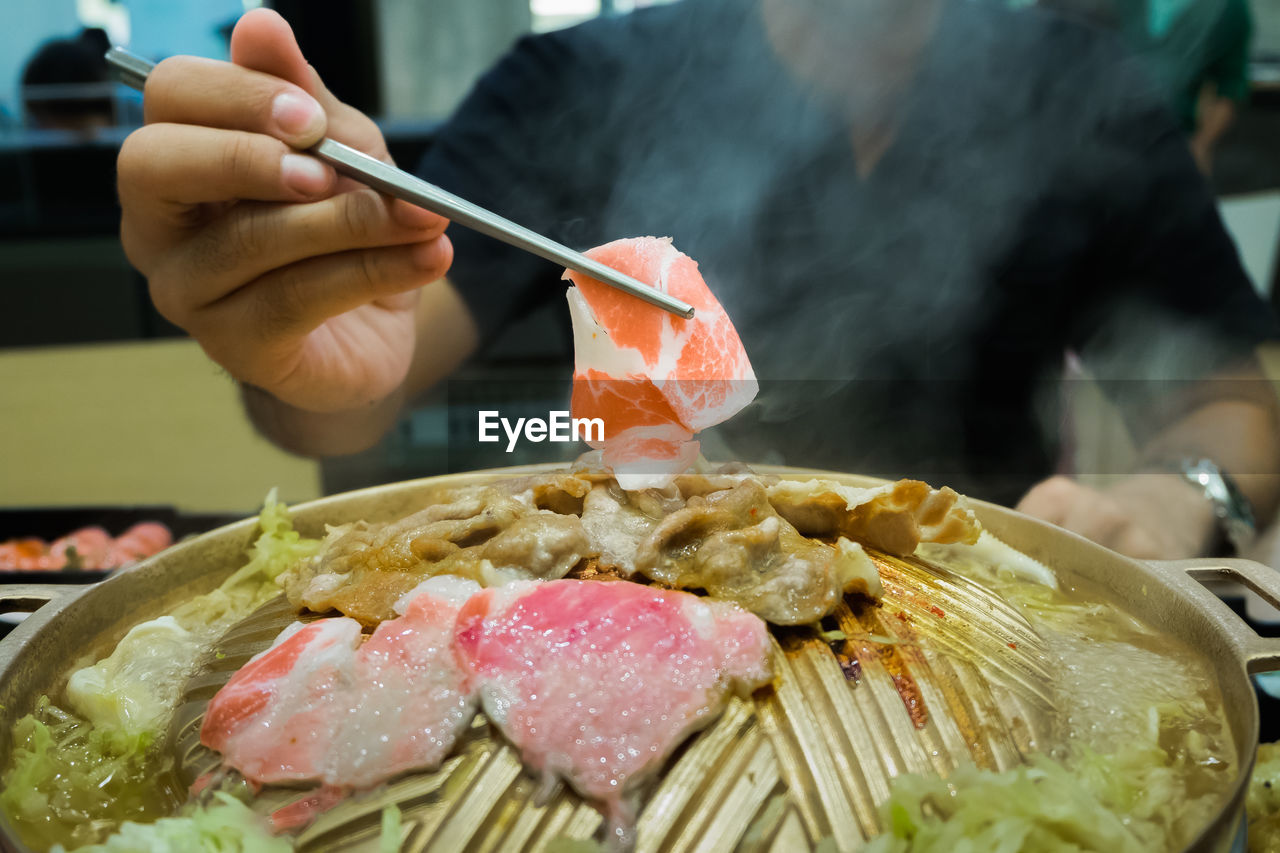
(46, 598)
(27, 597)
(1258, 653)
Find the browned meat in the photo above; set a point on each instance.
(785, 550)
(733, 544)
(557, 491)
(615, 527)
(894, 518)
(485, 534)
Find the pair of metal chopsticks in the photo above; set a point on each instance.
(133, 70)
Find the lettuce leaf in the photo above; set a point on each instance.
(68, 778)
(1263, 803)
(1040, 807)
(74, 776)
(225, 826)
(1142, 797)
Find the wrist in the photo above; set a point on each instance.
(1164, 502)
(1234, 519)
(319, 433)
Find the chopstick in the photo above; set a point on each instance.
(132, 70)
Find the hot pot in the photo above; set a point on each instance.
(829, 748)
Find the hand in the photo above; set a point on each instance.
(296, 282)
(1147, 516)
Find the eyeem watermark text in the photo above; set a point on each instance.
(558, 427)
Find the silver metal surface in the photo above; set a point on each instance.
(133, 70)
(796, 740)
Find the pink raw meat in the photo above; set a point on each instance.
(318, 705)
(598, 682)
(640, 368)
(274, 721)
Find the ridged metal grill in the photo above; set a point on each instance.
(942, 671)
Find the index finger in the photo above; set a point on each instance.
(196, 91)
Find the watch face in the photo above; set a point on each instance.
(1230, 506)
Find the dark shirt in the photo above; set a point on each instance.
(1037, 197)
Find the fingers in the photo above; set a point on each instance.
(1094, 515)
(264, 41)
(291, 302)
(268, 88)
(250, 240)
(194, 91)
(1049, 500)
(347, 124)
(164, 169)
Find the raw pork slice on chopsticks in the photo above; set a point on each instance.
(654, 379)
(597, 682)
(321, 706)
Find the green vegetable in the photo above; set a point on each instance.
(132, 691)
(1041, 808)
(1263, 803)
(67, 776)
(227, 826)
(389, 838)
(1142, 797)
(74, 776)
(279, 547)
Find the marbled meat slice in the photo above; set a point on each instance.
(275, 720)
(320, 706)
(654, 379)
(598, 682)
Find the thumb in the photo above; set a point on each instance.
(263, 41)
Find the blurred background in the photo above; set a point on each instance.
(103, 403)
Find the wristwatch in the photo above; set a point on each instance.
(1231, 508)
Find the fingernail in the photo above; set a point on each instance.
(427, 255)
(297, 115)
(304, 174)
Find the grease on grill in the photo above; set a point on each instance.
(903, 682)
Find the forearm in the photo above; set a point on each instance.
(1154, 512)
(320, 434)
(1238, 435)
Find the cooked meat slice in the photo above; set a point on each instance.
(724, 477)
(542, 544)
(598, 682)
(559, 491)
(485, 533)
(369, 597)
(894, 518)
(734, 545)
(615, 528)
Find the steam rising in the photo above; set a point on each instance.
(905, 312)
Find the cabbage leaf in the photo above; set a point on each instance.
(76, 773)
(225, 826)
(1263, 803)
